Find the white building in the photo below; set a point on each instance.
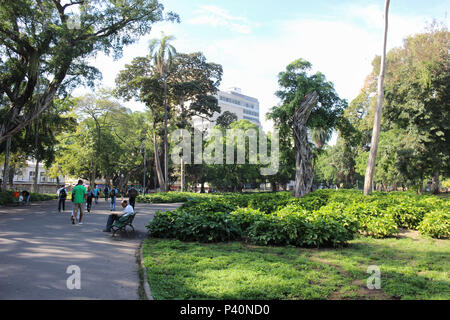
(24, 178)
(234, 101)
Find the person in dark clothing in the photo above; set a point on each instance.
(26, 197)
(132, 194)
(62, 196)
(89, 197)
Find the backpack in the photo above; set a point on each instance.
(113, 192)
(63, 194)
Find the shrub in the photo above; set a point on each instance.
(372, 220)
(407, 214)
(246, 217)
(185, 226)
(436, 224)
(7, 197)
(163, 225)
(205, 206)
(295, 226)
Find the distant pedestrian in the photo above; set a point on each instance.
(62, 196)
(96, 193)
(106, 193)
(132, 194)
(79, 198)
(89, 197)
(26, 197)
(113, 193)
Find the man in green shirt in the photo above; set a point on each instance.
(79, 198)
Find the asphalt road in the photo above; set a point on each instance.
(38, 245)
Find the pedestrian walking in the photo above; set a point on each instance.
(106, 193)
(113, 193)
(132, 194)
(89, 197)
(62, 196)
(79, 198)
(96, 194)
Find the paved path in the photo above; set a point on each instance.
(38, 244)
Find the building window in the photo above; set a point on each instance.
(252, 113)
(251, 119)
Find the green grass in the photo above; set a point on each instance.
(412, 267)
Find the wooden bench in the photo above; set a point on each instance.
(122, 223)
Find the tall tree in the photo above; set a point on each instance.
(193, 83)
(140, 81)
(418, 95)
(55, 39)
(163, 52)
(368, 181)
(296, 88)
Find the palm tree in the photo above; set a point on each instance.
(320, 136)
(368, 181)
(162, 53)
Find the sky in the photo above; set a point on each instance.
(254, 40)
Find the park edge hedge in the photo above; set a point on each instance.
(6, 197)
(321, 218)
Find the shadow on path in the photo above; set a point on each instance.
(38, 244)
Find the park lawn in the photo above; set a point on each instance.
(411, 266)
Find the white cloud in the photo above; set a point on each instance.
(342, 49)
(217, 17)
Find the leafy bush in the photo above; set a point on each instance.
(205, 206)
(293, 225)
(244, 218)
(321, 218)
(407, 214)
(7, 197)
(436, 224)
(185, 226)
(372, 220)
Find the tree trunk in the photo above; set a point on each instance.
(36, 177)
(274, 187)
(12, 171)
(166, 145)
(36, 141)
(159, 172)
(6, 165)
(183, 178)
(370, 170)
(182, 164)
(435, 189)
(303, 157)
(420, 189)
(202, 187)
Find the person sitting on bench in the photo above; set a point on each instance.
(113, 217)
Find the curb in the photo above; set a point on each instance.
(146, 286)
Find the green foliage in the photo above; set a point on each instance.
(293, 225)
(6, 197)
(373, 220)
(44, 52)
(436, 224)
(407, 214)
(323, 218)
